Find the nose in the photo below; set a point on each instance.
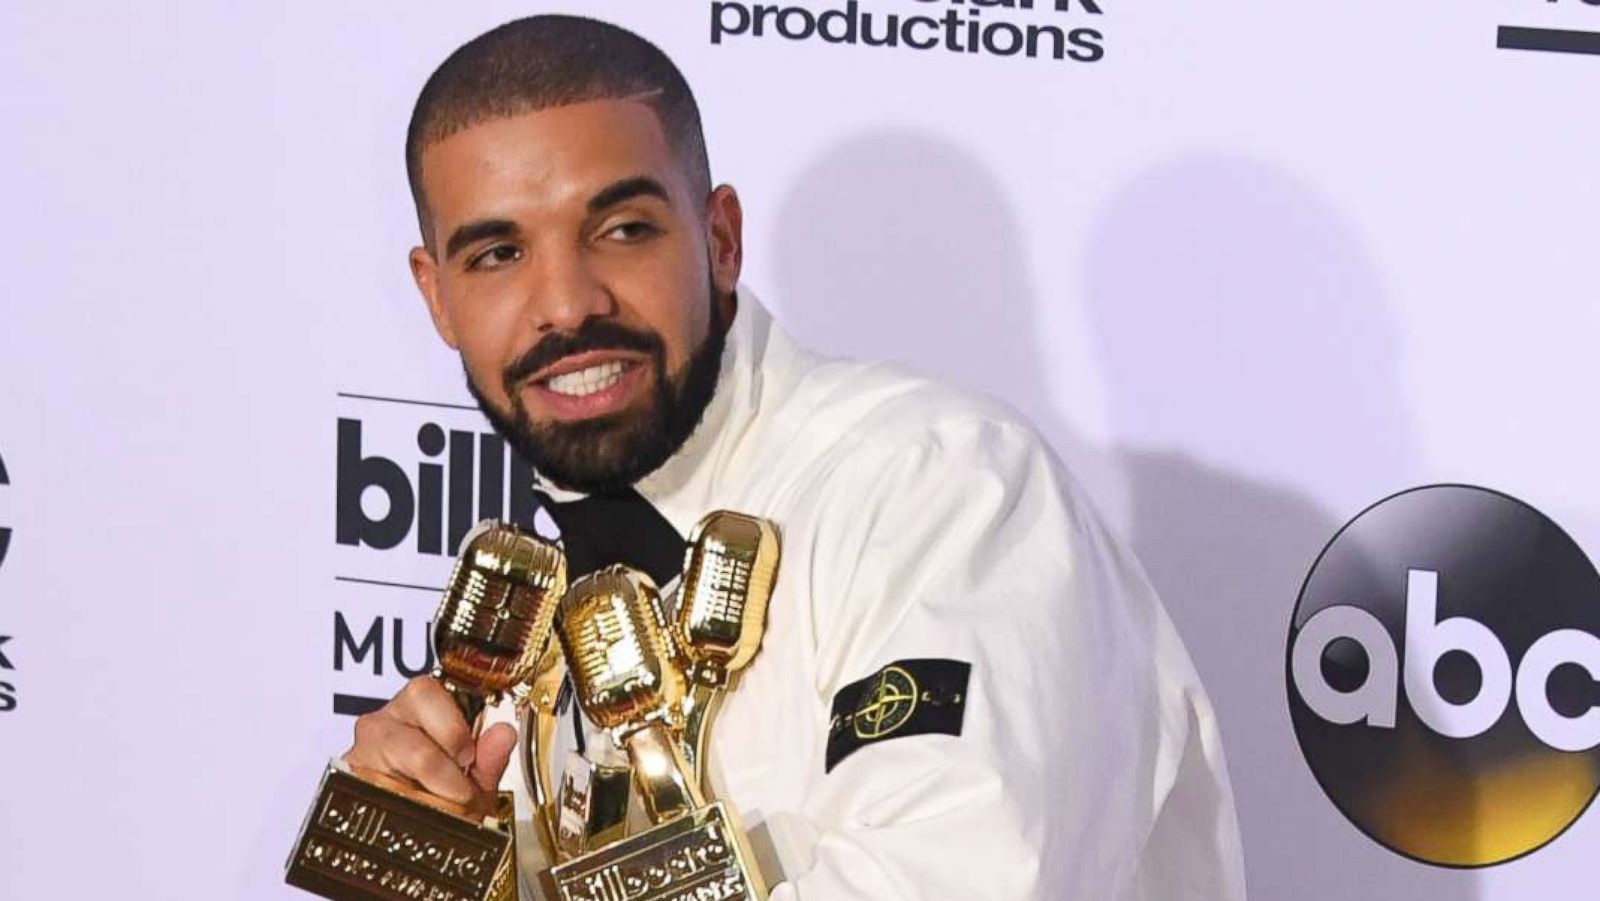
(566, 292)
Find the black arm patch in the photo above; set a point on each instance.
(907, 697)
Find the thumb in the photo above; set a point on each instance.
(493, 755)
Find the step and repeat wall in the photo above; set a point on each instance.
(1305, 295)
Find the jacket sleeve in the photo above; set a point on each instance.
(1087, 765)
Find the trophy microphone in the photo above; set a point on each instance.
(494, 622)
(628, 680)
(492, 637)
(728, 576)
(628, 672)
(368, 837)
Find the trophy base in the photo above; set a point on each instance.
(363, 842)
(700, 856)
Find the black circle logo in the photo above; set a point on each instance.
(1444, 675)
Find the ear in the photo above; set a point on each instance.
(425, 272)
(725, 238)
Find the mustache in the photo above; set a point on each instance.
(595, 334)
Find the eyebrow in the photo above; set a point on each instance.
(627, 189)
(472, 232)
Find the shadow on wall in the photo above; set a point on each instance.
(899, 246)
(1235, 319)
(1243, 333)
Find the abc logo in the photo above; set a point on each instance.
(1444, 675)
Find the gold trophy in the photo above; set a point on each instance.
(368, 836)
(654, 687)
(728, 576)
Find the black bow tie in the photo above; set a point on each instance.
(618, 527)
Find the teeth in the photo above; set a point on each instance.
(586, 381)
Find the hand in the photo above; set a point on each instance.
(420, 738)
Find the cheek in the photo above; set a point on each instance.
(669, 294)
(485, 325)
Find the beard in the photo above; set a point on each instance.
(607, 454)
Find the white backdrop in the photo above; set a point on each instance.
(1261, 265)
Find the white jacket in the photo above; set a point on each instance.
(919, 523)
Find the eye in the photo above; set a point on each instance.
(495, 257)
(631, 231)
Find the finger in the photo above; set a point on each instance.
(426, 704)
(388, 746)
(414, 755)
(493, 755)
(372, 731)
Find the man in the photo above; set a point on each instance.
(577, 256)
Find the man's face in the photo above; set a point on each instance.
(583, 282)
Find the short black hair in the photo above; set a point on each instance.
(547, 61)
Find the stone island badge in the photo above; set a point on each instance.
(907, 697)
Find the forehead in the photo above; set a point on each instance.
(545, 161)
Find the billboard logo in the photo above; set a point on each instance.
(459, 478)
(1443, 670)
(411, 478)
